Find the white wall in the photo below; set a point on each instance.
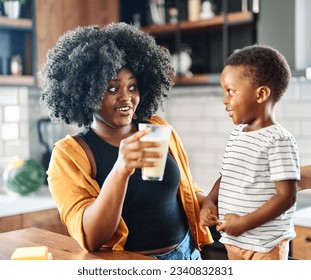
(14, 133)
(198, 114)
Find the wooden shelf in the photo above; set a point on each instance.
(195, 79)
(17, 80)
(19, 23)
(216, 21)
(198, 79)
(160, 29)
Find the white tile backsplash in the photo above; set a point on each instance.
(17, 148)
(196, 112)
(11, 113)
(10, 131)
(204, 126)
(9, 95)
(14, 119)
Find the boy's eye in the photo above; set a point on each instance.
(230, 91)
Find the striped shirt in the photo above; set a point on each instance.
(252, 162)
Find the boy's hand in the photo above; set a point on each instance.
(232, 224)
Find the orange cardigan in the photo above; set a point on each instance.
(73, 189)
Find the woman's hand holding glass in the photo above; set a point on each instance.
(132, 153)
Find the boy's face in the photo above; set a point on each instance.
(240, 95)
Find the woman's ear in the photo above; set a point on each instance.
(263, 94)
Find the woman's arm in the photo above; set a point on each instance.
(102, 217)
(305, 181)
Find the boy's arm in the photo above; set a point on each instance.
(284, 198)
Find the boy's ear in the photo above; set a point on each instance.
(263, 94)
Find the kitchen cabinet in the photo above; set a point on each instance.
(208, 41)
(42, 22)
(45, 219)
(301, 244)
(53, 18)
(17, 37)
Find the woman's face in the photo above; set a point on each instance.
(121, 100)
(240, 95)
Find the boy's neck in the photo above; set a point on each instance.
(260, 123)
(266, 118)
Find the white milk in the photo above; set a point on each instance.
(156, 172)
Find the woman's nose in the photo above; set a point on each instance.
(125, 95)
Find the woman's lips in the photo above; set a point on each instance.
(125, 110)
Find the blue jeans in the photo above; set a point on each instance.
(185, 250)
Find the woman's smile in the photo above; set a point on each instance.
(125, 110)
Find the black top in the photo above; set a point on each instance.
(152, 210)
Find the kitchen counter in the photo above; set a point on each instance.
(14, 204)
(61, 246)
(301, 245)
(304, 199)
(302, 217)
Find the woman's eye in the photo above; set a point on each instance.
(133, 88)
(112, 89)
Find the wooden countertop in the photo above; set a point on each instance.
(61, 246)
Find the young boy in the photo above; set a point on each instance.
(253, 201)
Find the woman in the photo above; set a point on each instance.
(108, 80)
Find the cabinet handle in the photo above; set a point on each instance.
(308, 239)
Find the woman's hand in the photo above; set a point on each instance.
(133, 154)
(208, 215)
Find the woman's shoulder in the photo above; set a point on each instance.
(67, 141)
(67, 145)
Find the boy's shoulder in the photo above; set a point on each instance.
(275, 132)
(280, 132)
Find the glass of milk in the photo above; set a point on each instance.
(158, 133)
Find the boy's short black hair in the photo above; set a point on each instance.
(264, 66)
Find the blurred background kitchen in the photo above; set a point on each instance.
(200, 35)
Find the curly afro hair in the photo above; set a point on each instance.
(75, 77)
(264, 66)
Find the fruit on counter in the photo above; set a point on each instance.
(24, 176)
